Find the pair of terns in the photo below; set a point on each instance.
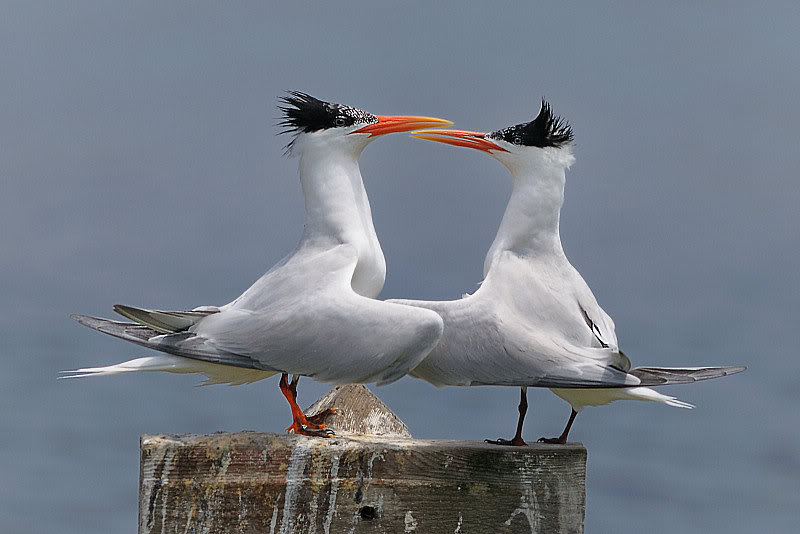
(533, 321)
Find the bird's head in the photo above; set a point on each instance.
(314, 122)
(546, 140)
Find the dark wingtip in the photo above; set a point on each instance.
(85, 320)
(77, 317)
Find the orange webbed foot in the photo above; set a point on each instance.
(316, 420)
(297, 428)
(301, 424)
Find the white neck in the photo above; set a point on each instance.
(337, 212)
(530, 222)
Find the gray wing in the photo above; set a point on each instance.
(337, 337)
(484, 345)
(166, 322)
(575, 368)
(184, 344)
(649, 376)
(662, 376)
(304, 318)
(597, 320)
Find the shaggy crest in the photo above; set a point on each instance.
(302, 113)
(543, 131)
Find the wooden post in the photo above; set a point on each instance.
(377, 482)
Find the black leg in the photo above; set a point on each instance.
(523, 409)
(562, 439)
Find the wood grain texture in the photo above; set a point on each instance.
(251, 482)
(369, 478)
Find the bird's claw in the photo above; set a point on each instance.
(316, 420)
(516, 442)
(315, 426)
(552, 441)
(302, 424)
(300, 430)
(322, 433)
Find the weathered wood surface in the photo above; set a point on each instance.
(359, 411)
(251, 482)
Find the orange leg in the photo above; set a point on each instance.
(309, 421)
(517, 440)
(301, 424)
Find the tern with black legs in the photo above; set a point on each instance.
(534, 322)
(314, 313)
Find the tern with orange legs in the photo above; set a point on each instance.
(315, 313)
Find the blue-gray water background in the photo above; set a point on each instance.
(140, 164)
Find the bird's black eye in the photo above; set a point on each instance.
(517, 139)
(339, 121)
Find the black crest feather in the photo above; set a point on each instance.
(304, 113)
(543, 131)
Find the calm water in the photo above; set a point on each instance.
(70, 448)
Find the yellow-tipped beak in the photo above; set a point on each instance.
(399, 123)
(463, 138)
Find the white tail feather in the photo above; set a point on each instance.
(647, 394)
(579, 398)
(215, 373)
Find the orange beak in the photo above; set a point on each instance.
(397, 123)
(476, 140)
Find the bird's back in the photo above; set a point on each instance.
(303, 317)
(524, 326)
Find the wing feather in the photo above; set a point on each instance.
(183, 344)
(662, 376)
(166, 322)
